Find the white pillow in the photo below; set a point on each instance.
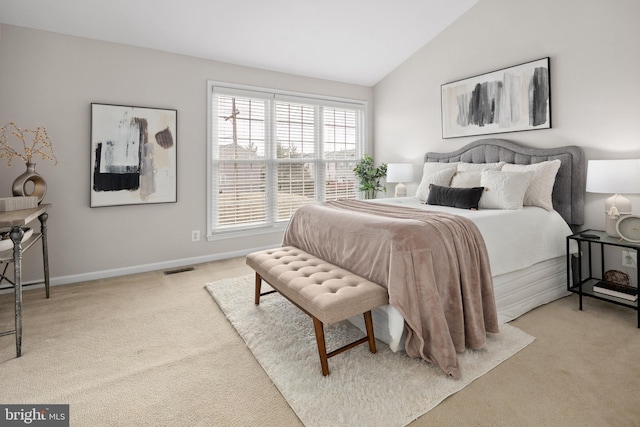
(540, 190)
(437, 176)
(504, 190)
(466, 179)
(478, 167)
(430, 167)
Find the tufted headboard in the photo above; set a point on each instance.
(569, 188)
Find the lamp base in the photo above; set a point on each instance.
(401, 190)
(615, 207)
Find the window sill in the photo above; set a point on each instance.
(247, 232)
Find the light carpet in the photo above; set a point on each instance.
(382, 389)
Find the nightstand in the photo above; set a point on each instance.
(584, 286)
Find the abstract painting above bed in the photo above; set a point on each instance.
(512, 99)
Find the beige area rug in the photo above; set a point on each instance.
(382, 389)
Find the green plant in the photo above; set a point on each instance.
(370, 176)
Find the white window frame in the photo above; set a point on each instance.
(272, 225)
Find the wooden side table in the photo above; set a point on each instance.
(16, 220)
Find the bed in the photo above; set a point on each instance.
(525, 246)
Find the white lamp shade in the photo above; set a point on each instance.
(613, 176)
(399, 172)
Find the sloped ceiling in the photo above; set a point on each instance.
(352, 41)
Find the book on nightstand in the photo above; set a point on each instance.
(615, 290)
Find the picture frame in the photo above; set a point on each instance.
(133, 155)
(512, 99)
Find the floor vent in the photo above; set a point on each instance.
(178, 270)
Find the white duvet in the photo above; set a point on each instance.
(515, 240)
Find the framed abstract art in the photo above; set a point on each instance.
(508, 100)
(133, 155)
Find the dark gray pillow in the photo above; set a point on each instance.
(462, 198)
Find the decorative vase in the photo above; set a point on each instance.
(23, 183)
(370, 194)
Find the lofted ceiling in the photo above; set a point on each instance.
(352, 41)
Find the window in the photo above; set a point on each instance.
(272, 153)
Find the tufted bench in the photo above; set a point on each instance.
(325, 292)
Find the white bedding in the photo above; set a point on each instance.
(526, 250)
(515, 239)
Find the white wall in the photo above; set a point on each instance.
(50, 80)
(594, 48)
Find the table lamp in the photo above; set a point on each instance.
(614, 176)
(400, 173)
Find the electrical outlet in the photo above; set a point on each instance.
(629, 259)
(195, 235)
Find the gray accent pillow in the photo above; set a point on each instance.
(462, 198)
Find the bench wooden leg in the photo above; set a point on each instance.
(322, 348)
(258, 286)
(319, 328)
(368, 322)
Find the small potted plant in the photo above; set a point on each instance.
(370, 176)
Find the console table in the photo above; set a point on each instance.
(15, 220)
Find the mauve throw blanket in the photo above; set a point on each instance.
(434, 265)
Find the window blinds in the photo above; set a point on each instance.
(273, 153)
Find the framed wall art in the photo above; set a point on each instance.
(512, 99)
(133, 155)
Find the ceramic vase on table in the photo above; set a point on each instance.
(22, 184)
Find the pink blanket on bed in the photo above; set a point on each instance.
(434, 265)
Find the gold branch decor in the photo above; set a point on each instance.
(33, 142)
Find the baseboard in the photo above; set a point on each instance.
(144, 268)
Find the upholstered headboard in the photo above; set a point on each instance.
(569, 188)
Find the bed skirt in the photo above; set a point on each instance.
(515, 293)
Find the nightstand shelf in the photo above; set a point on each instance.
(584, 286)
